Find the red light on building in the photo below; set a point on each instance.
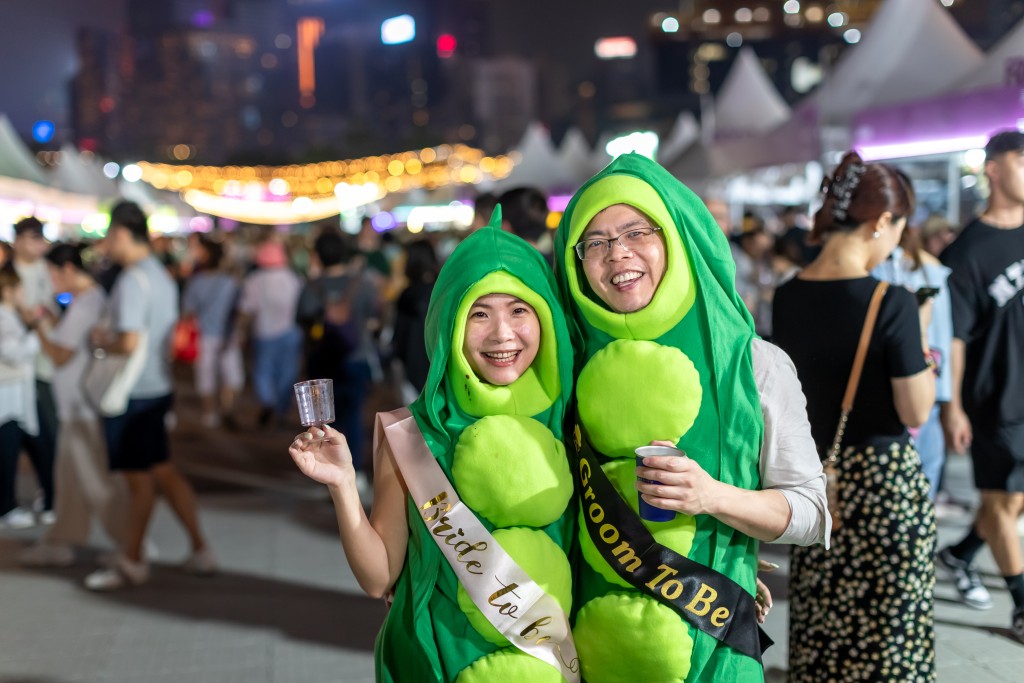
(446, 45)
(88, 144)
(106, 104)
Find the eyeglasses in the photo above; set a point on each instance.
(630, 240)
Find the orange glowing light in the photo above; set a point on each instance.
(308, 30)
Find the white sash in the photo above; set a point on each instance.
(531, 619)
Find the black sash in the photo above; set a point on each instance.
(707, 599)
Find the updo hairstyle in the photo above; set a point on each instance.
(858, 193)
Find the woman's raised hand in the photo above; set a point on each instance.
(323, 455)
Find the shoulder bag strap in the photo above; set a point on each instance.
(858, 367)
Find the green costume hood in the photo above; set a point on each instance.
(427, 636)
(696, 329)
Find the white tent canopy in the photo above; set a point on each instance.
(748, 101)
(991, 72)
(75, 174)
(16, 160)
(747, 107)
(684, 132)
(576, 156)
(912, 49)
(538, 164)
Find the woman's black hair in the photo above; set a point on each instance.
(63, 253)
(421, 261)
(214, 253)
(9, 276)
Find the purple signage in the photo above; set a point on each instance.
(941, 125)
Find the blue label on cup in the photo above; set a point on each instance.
(649, 512)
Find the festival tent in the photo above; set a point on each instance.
(748, 102)
(76, 174)
(910, 50)
(25, 191)
(537, 165)
(684, 133)
(746, 107)
(16, 160)
(1005, 57)
(576, 157)
(600, 157)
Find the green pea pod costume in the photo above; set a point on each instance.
(501, 446)
(678, 370)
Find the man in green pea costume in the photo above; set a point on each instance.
(500, 445)
(663, 355)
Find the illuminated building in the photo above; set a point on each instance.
(94, 95)
(796, 40)
(265, 81)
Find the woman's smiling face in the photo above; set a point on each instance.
(502, 338)
(624, 279)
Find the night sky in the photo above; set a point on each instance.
(37, 53)
(37, 49)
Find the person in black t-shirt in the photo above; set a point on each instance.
(865, 603)
(986, 412)
(338, 311)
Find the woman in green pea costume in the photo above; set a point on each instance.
(491, 414)
(667, 355)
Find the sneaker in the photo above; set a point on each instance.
(1017, 623)
(966, 579)
(47, 555)
(123, 573)
(18, 518)
(48, 517)
(201, 563)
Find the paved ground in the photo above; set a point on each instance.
(285, 608)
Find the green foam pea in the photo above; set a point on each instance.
(509, 666)
(624, 638)
(512, 471)
(541, 559)
(676, 534)
(634, 392)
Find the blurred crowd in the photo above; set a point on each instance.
(259, 306)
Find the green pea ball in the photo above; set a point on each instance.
(623, 638)
(512, 471)
(541, 559)
(509, 666)
(676, 534)
(634, 392)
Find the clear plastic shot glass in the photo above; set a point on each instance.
(316, 402)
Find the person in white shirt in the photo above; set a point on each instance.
(270, 295)
(37, 299)
(85, 486)
(18, 418)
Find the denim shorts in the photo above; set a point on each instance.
(137, 440)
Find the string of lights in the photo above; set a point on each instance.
(300, 193)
